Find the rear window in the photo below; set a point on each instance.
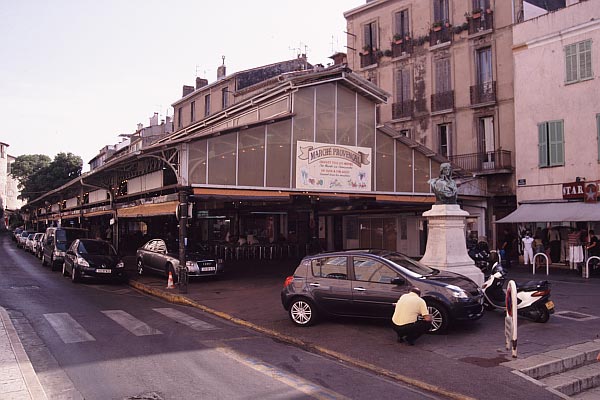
(69, 236)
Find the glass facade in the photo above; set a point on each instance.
(251, 159)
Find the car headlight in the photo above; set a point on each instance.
(82, 262)
(120, 265)
(190, 264)
(458, 292)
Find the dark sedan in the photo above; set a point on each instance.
(92, 258)
(155, 256)
(368, 283)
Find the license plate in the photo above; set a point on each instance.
(103, 271)
(550, 305)
(209, 268)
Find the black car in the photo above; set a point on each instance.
(92, 258)
(368, 283)
(157, 256)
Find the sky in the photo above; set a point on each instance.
(76, 74)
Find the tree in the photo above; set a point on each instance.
(26, 165)
(37, 179)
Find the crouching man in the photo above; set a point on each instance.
(411, 318)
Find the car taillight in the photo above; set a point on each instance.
(288, 281)
(541, 293)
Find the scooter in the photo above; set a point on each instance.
(480, 253)
(533, 297)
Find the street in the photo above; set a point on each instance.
(108, 341)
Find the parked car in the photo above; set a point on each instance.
(16, 233)
(368, 283)
(38, 245)
(155, 256)
(21, 238)
(56, 242)
(29, 242)
(92, 258)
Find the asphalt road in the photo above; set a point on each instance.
(107, 341)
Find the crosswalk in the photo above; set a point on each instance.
(70, 331)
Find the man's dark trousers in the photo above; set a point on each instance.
(411, 332)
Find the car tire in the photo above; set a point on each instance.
(440, 317)
(74, 275)
(140, 267)
(303, 312)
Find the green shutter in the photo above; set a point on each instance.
(598, 133)
(556, 143)
(543, 145)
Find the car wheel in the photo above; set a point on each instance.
(140, 267)
(74, 275)
(172, 271)
(43, 260)
(303, 312)
(440, 318)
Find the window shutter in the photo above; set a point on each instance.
(374, 33)
(598, 133)
(571, 62)
(399, 87)
(543, 145)
(585, 59)
(367, 35)
(555, 142)
(437, 11)
(406, 84)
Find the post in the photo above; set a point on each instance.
(510, 320)
(183, 220)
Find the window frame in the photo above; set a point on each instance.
(551, 151)
(573, 61)
(370, 35)
(448, 136)
(192, 111)
(402, 23)
(207, 105)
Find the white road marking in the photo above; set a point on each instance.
(131, 323)
(185, 319)
(67, 328)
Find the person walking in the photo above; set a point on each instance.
(527, 249)
(554, 239)
(593, 249)
(411, 318)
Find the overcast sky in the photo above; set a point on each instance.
(76, 74)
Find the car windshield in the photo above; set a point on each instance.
(69, 235)
(96, 248)
(411, 265)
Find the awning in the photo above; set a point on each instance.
(554, 212)
(148, 210)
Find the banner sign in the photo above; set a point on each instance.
(334, 167)
(510, 321)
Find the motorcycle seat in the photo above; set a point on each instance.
(532, 285)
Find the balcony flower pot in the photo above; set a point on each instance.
(437, 28)
(476, 13)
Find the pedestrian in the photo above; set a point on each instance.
(411, 318)
(506, 247)
(554, 239)
(527, 249)
(593, 248)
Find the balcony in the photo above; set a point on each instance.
(402, 109)
(483, 22)
(442, 101)
(367, 59)
(402, 47)
(440, 34)
(491, 162)
(483, 93)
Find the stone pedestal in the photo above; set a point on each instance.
(446, 244)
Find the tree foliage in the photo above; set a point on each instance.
(38, 175)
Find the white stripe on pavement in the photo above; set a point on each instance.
(132, 324)
(185, 319)
(67, 328)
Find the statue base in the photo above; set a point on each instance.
(446, 244)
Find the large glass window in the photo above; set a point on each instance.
(346, 118)
(384, 163)
(551, 144)
(404, 170)
(366, 122)
(197, 162)
(304, 115)
(279, 154)
(222, 159)
(325, 127)
(578, 59)
(422, 173)
(251, 157)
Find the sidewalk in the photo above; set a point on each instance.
(18, 380)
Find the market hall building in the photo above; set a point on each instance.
(287, 154)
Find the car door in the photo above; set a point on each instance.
(70, 256)
(373, 293)
(147, 254)
(329, 284)
(159, 255)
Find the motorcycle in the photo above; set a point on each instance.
(533, 297)
(480, 253)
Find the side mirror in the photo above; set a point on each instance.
(398, 281)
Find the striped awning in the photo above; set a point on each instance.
(554, 212)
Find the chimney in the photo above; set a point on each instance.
(200, 82)
(221, 70)
(187, 90)
(339, 58)
(154, 119)
(140, 126)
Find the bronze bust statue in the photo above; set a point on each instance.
(444, 187)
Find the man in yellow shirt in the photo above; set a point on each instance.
(407, 324)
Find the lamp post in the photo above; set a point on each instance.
(183, 220)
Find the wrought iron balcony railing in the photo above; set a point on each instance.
(439, 35)
(483, 93)
(497, 161)
(442, 101)
(402, 47)
(402, 109)
(367, 59)
(483, 22)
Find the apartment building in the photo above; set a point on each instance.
(448, 67)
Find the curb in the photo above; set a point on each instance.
(34, 387)
(179, 299)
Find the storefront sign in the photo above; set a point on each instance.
(573, 190)
(333, 167)
(591, 192)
